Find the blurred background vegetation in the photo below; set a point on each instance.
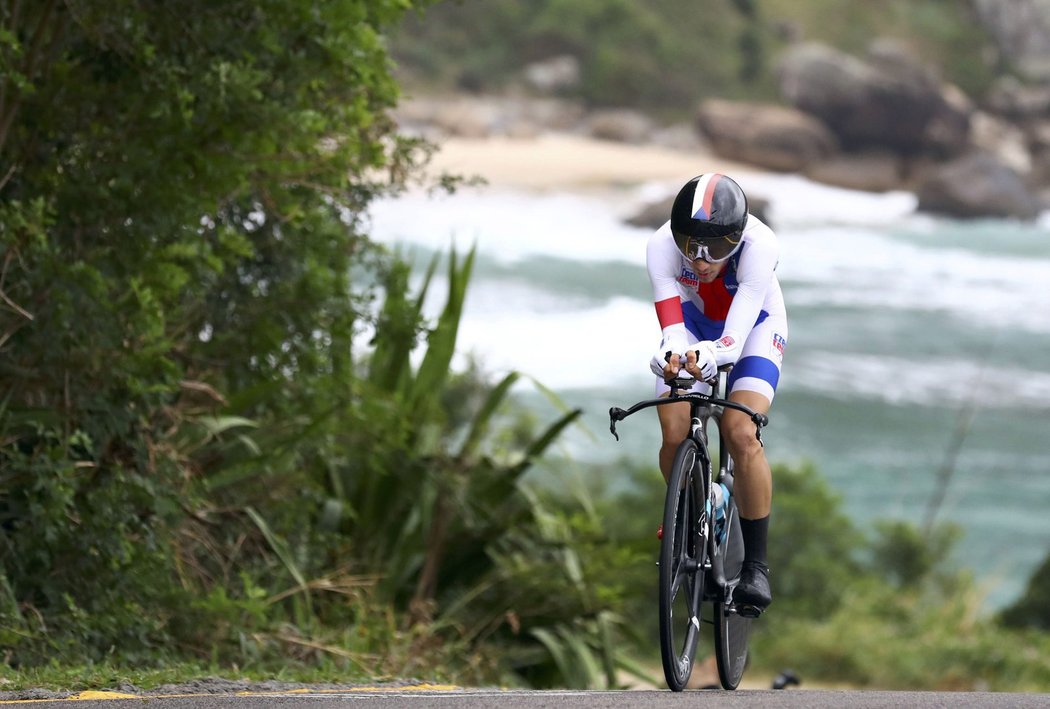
(665, 56)
(231, 442)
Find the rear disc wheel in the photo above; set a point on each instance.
(732, 630)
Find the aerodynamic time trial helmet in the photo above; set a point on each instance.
(708, 217)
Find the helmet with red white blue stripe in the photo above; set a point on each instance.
(708, 217)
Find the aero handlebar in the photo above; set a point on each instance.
(618, 414)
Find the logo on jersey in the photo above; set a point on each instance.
(726, 342)
(688, 278)
(779, 343)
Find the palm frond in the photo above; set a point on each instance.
(482, 420)
(280, 548)
(441, 343)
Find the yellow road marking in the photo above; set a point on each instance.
(99, 695)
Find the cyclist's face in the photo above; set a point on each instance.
(707, 272)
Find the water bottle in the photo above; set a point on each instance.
(721, 498)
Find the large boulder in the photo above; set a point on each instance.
(1001, 139)
(875, 171)
(1016, 100)
(888, 101)
(1021, 29)
(679, 136)
(623, 125)
(1040, 177)
(977, 185)
(773, 137)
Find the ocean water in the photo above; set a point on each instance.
(905, 330)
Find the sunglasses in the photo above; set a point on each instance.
(713, 250)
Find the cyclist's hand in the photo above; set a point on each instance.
(665, 364)
(701, 362)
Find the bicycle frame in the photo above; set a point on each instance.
(702, 408)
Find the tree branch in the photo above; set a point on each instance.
(16, 307)
(29, 68)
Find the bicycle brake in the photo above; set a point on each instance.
(615, 414)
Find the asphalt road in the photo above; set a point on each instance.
(430, 697)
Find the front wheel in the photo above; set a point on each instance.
(683, 554)
(732, 630)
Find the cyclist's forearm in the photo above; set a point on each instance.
(675, 338)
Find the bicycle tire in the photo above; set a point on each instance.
(732, 630)
(683, 554)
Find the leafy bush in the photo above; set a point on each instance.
(889, 638)
(178, 225)
(813, 544)
(1032, 610)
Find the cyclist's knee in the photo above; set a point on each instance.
(674, 424)
(739, 433)
(673, 435)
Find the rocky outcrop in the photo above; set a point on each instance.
(977, 185)
(880, 122)
(621, 125)
(898, 128)
(871, 171)
(1021, 29)
(772, 137)
(1002, 140)
(1022, 102)
(890, 101)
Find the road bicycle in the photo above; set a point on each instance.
(701, 552)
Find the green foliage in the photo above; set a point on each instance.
(624, 48)
(907, 555)
(880, 609)
(885, 612)
(812, 543)
(178, 226)
(886, 637)
(1032, 610)
(444, 519)
(666, 56)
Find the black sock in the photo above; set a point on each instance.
(755, 532)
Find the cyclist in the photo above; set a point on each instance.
(718, 300)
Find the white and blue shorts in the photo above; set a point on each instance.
(758, 368)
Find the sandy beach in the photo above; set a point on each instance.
(560, 161)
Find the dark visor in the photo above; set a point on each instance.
(717, 249)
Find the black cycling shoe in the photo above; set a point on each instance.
(752, 594)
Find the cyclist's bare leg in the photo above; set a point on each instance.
(674, 425)
(754, 482)
(754, 492)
